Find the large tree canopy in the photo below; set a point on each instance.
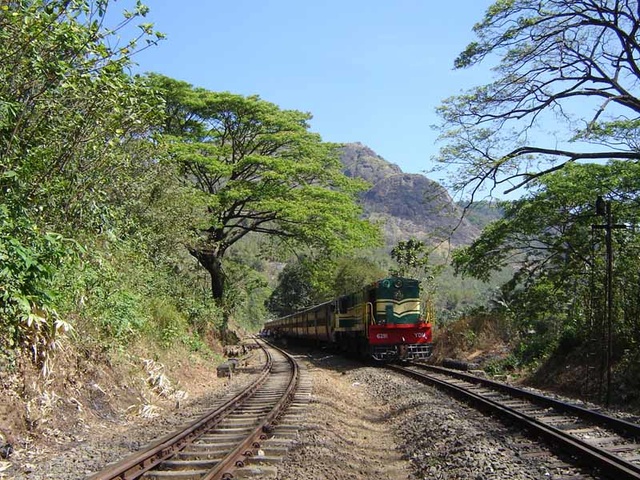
(259, 169)
(566, 89)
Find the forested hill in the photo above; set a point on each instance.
(406, 204)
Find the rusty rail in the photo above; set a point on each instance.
(245, 449)
(137, 464)
(587, 454)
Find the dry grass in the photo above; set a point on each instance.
(477, 338)
(90, 383)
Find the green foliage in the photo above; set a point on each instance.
(120, 317)
(248, 287)
(354, 273)
(70, 120)
(412, 258)
(121, 291)
(295, 290)
(167, 322)
(202, 313)
(555, 296)
(28, 262)
(502, 366)
(628, 371)
(67, 105)
(484, 255)
(482, 213)
(260, 170)
(455, 296)
(308, 281)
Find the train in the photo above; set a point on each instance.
(382, 321)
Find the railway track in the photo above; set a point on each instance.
(609, 445)
(252, 428)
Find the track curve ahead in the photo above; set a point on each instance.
(220, 441)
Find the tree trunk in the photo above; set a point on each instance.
(212, 264)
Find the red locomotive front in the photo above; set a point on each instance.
(396, 328)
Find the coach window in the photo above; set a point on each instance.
(344, 304)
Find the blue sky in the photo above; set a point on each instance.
(369, 71)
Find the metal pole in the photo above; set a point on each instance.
(603, 208)
(609, 297)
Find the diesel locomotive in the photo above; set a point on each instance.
(382, 321)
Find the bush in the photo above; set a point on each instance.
(121, 318)
(502, 366)
(166, 322)
(569, 339)
(29, 259)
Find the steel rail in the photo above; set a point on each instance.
(236, 458)
(616, 424)
(137, 464)
(608, 463)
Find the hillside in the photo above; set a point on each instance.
(406, 204)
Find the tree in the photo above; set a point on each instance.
(295, 290)
(551, 227)
(352, 274)
(412, 258)
(259, 169)
(558, 256)
(66, 104)
(311, 280)
(68, 110)
(571, 65)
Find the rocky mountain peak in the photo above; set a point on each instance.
(361, 162)
(408, 205)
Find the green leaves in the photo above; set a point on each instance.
(72, 122)
(28, 262)
(469, 56)
(549, 239)
(65, 105)
(412, 257)
(263, 172)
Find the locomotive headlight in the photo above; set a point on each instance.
(398, 283)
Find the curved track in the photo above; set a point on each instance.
(225, 438)
(595, 440)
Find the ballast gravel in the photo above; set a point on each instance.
(378, 420)
(362, 422)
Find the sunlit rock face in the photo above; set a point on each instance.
(407, 205)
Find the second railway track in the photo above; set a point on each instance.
(609, 445)
(239, 432)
